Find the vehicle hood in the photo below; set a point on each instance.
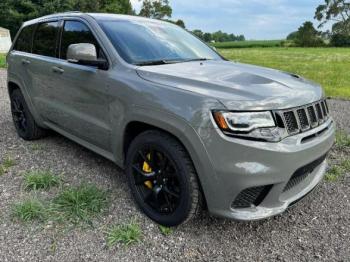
(237, 86)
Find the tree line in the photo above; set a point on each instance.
(14, 12)
(335, 11)
(218, 36)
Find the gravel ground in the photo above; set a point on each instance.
(316, 229)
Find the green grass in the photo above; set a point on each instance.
(2, 60)
(345, 165)
(337, 171)
(342, 139)
(7, 163)
(334, 174)
(34, 180)
(2, 170)
(79, 204)
(126, 234)
(327, 66)
(165, 230)
(29, 210)
(37, 147)
(249, 44)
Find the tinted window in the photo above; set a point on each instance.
(45, 39)
(143, 41)
(25, 40)
(75, 32)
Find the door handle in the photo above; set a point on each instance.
(25, 62)
(58, 70)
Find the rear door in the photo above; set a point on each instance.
(80, 97)
(20, 58)
(44, 58)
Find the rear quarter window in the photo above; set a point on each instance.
(45, 39)
(25, 40)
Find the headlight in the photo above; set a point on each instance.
(249, 125)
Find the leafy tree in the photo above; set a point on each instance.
(218, 36)
(207, 37)
(14, 12)
(308, 36)
(157, 9)
(336, 11)
(292, 36)
(340, 40)
(241, 38)
(179, 22)
(198, 33)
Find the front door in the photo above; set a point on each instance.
(80, 96)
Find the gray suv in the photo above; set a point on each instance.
(190, 128)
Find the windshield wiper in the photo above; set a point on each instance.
(166, 62)
(157, 62)
(197, 59)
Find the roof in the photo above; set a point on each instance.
(96, 16)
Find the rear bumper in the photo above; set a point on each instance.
(240, 165)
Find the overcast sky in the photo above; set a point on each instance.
(256, 19)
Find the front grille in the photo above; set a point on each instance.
(251, 197)
(303, 172)
(312, 116)
(303, 118)
(304, 123)
(291, 122)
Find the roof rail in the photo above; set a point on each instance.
(70, 12)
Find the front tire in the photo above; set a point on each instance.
(162, 178)
(24, 122)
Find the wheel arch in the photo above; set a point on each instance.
(191, 143)
(11, 86)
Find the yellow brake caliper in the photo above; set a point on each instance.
(147, 169)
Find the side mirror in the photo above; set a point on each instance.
(85, 54)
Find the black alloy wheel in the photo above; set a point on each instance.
(24, 122)
(162, 178)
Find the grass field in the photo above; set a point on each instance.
(2, 60)
(328, 66)
(249, 44)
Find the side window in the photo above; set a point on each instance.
(45, 39)
(25, 40)
(75, 32)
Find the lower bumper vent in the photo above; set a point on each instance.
(303, 172)
(251, 196)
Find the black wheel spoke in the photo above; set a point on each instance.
(152, 159)
(164, 164)
(171, 192)
(168, 203)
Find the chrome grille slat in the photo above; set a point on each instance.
(303, 120)
(312, 116)
(291, 122)
(324, 109)
(319, 112)
(305, 117)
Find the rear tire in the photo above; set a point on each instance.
(162, 178)
(24, 122)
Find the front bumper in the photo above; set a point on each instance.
(239, 165)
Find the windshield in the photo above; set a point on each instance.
(144, 42)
